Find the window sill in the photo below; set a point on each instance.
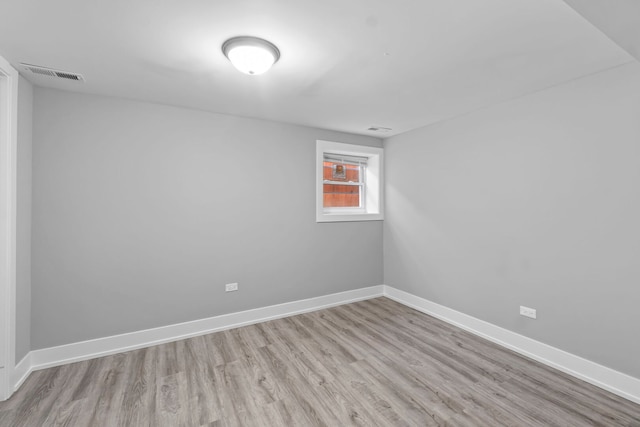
(343, 217)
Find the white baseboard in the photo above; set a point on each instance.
(606, 378)
(84, 350)
(22, 371)
(616, 382)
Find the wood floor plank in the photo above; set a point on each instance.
(415, 411)
(369, 363)
(171, 403)
(137, 400)
(65, 416)
(278, 413)
(112, 383)
(38, 404)
(292, 386)
(7, 417)
(63, 409)
(89, 379)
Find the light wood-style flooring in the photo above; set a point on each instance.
(373, 363)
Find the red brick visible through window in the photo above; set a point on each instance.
(342, 196)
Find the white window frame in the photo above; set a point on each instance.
(373, 179)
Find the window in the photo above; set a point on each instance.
(343, 182)
(349, 182)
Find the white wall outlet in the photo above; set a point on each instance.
(528, 312)
(230, 287)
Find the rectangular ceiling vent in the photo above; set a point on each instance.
(50, 72)
(379, 129)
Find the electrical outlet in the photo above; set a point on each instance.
(230, 287)
(528, 312)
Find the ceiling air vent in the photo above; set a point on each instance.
(379, 129)
(50, 72)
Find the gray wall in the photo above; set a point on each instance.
(533, 202)
(142, 212)
(23, 220)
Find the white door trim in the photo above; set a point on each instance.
(8, 190)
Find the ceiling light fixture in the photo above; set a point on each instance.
(251, 55)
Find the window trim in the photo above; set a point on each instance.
(373, 183)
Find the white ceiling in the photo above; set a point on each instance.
(618, 19)
(345, 65)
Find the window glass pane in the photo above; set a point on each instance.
(336, 171)
(336, 195)
(342, 196)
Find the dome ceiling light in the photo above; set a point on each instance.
(251, 55)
